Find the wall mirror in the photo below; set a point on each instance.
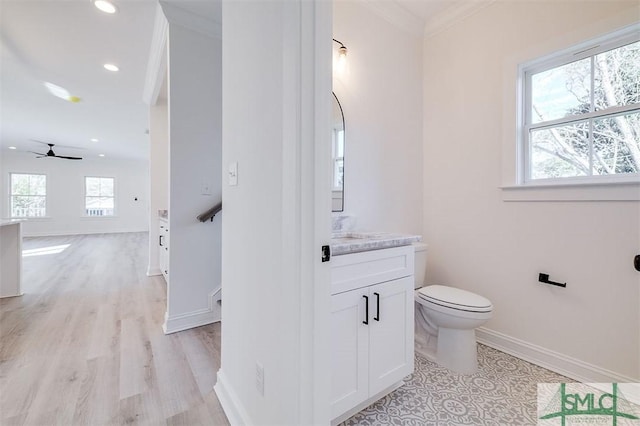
(337, 156)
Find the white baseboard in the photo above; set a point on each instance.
(173, 324)
(152, 272)
(215, 304)
(233, 408)
(212, 313)
(551, 360)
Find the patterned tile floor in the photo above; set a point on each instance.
(502, 392)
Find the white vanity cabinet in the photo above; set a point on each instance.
(163, 249)
(371, 327)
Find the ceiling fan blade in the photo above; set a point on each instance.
(39, 153)
(70, 147)
(68, 158)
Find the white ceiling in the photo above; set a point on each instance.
(67, 43)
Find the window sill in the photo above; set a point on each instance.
(606, 191)
(29, 218)
(98, 217)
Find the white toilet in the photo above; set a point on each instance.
(446, 319)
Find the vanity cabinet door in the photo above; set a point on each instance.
(349, 350)
(391, 325)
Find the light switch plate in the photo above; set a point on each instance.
(205, 189)
(233, 174)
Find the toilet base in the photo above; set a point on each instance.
(426, 350)
(457, 350)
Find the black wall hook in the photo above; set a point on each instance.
(544, 278)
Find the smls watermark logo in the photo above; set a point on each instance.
(573, 404)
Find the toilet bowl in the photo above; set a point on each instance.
(446, 319)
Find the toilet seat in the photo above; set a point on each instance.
(455, 298)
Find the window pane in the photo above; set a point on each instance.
(99, 206)
(92, 186)
(104, 202)
(338, 174)
(106, 187)
(616, 144)
(38, 185)
(561, 91)
(340, 143)
(617, 77)
(561, 151)
(19, 184)
(28, 206)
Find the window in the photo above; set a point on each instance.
(581, 115)
(338, 159)
(99, 197)
(28, 195)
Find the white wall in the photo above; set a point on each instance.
(195, 145)
(481, 243)
(276, 291)
(381, 95)
(65, 193)
(159, 175)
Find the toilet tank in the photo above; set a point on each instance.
(420, 263)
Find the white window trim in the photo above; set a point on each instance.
(10, 195)
(84, 199)
(627, 185)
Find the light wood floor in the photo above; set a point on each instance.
(84, 345)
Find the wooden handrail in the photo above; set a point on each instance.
(209, 214)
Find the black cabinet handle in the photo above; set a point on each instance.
(366, 310)
(377, 317)
(160, 240)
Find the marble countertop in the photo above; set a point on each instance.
(352, 242)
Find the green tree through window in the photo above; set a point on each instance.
(583, 117)
(28, 195)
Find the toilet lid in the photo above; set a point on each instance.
(455, 298)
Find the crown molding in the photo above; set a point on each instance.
(157, 62)
(395, 14)
(179, 14)
(453, 14)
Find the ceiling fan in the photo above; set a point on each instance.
(50, 153)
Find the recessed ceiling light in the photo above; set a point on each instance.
(105, 6)
(94, 140)
(100, 155)
(12, 147)
(111, 67)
